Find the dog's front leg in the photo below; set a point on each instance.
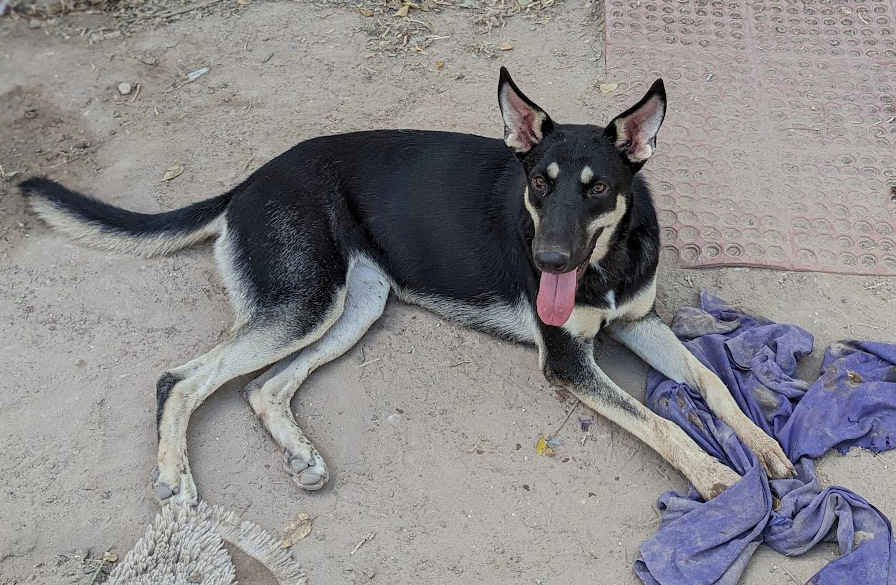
(569, 362)
(655, 343)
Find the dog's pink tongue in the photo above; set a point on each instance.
(556, 297)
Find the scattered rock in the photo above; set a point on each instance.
(201, 71)
(124, 88)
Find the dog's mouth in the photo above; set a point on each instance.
(557, 292)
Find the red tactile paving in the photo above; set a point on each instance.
(779, 146)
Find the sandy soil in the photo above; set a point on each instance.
(428, 429)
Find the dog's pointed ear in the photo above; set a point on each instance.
(525, 124)
(634, 131)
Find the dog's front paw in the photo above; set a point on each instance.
(306, 466)
(714, 479)
(178, 490)
(769, 453)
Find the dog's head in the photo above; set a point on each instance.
(579, 184)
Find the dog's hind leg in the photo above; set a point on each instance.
(367, 290)
(655, 343)
(253, 346)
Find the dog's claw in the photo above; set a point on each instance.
(306, 467)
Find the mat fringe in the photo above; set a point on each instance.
(258, 544)
(185, 543)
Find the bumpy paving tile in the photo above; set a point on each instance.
(779, 148)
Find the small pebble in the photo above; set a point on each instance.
(124, 88)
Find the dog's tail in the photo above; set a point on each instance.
(104, 226)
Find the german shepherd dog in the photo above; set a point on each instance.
(544, 239)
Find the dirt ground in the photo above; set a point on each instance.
(428, 429)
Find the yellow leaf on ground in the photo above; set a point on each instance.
(173, 171)
(541, 447)
(296, 530)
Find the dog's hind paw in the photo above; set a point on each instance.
(179, 491)
(306, 467)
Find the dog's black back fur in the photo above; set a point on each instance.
(441, 212)
(450, 223)
(447, 216)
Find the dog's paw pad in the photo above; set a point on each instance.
(179, 491)
(311, 479)
(306, 467)
(163, 492)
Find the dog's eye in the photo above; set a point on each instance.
(539, 182)
(597, 189)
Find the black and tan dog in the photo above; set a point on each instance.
(545, 243)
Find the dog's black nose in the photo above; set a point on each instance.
(552, 260)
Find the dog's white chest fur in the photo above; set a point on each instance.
(586, 321)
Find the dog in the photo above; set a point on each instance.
(545, 238)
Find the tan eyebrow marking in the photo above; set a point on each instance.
(587, 175)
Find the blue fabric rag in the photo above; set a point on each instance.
(853, 403)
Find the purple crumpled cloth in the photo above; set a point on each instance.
(853, 403)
